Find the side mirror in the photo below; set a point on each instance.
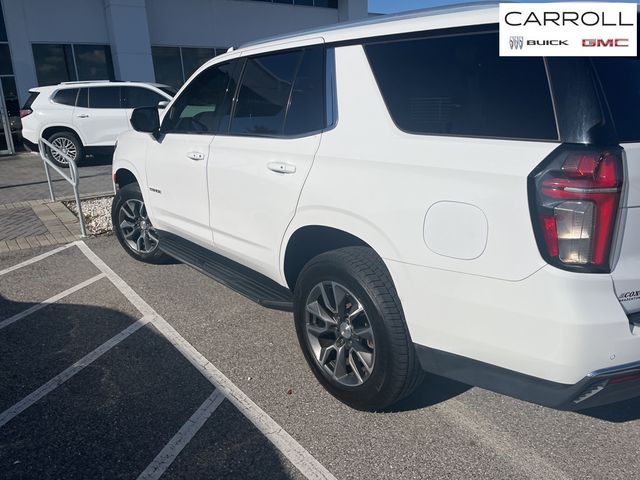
(163, 104)
(145, 119)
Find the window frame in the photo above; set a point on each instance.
(465, 31)
(325, 89)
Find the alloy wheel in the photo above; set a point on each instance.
(136, 227)
(67, 147)
(339, 334)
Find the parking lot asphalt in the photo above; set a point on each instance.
(160, 371)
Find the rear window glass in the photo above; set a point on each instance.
(66, 97)
(620, 78)
(459, 85)
(30, 100)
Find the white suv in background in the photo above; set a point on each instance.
(418, 202)
(84, 117)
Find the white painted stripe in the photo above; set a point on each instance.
(49, 301)
(288, 446)
(180, 440)
(36, 259)
(59, 379)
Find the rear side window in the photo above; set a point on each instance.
(306, 112)
(66, 97)
(264, 94)
(620, 79)
(104, 97)
(459, 85)
(30, 100)
(134, 97)
(83, 98)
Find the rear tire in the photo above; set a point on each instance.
(70, 144)
(380, 365)
(133, 228)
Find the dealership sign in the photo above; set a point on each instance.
(565, 29)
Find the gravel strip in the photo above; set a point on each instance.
(97, 214)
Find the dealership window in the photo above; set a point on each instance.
(8, 82)
(174, 65)
(308, 3)
(56, 63)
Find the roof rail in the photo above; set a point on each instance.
(83, 81)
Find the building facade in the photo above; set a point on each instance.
(44, 42)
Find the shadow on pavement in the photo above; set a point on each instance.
(433, 390)
(619, 412)
(113, 417)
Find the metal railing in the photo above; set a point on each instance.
(73, 179)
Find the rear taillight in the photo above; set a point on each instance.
(574, 197)
(24, 113)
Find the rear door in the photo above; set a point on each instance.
(261, 157)
(104, 119)
(620, 79)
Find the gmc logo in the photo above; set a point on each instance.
(601, 42)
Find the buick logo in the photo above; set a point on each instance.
(516, 43)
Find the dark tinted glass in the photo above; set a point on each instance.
(3, 30)
(94, 62)
(264, 94)
(54, 63)
(306, 112)
(196, 109)
(30, 100)
(193, 58)
(134, 97)
(83, 98)
(5, 60)
(167, 65)
(104, 97)
(620, 78)
(66, 96)
(458, 85)
(11, 96)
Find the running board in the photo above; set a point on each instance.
(233, 275)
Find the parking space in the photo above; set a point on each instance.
(114, 369)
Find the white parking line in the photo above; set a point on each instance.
(59, 379)
(36, 259)
(180, 440)
(49, 301)
(288, 446)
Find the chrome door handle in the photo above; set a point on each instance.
(281, 167)
(82, 115)
(196, 155)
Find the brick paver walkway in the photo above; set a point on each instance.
(27, 217)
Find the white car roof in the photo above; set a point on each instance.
(96, 83)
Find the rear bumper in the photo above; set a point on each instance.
(600, 387)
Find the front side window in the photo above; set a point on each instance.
(134, 97)
(104, 97)
(264, 94)
(459, 85)
(197, 108)
(66, 96)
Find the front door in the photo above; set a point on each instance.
(177, 161)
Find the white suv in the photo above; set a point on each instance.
(417, 201)
(84, 117)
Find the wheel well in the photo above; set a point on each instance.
(47, 132)
(311, 241)
(124, 177)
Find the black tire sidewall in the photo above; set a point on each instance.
(74, 138)
(373, 391)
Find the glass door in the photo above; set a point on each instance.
(6, 142)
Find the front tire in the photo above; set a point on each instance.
(133, 228)
(68, 143)
(352, 331)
